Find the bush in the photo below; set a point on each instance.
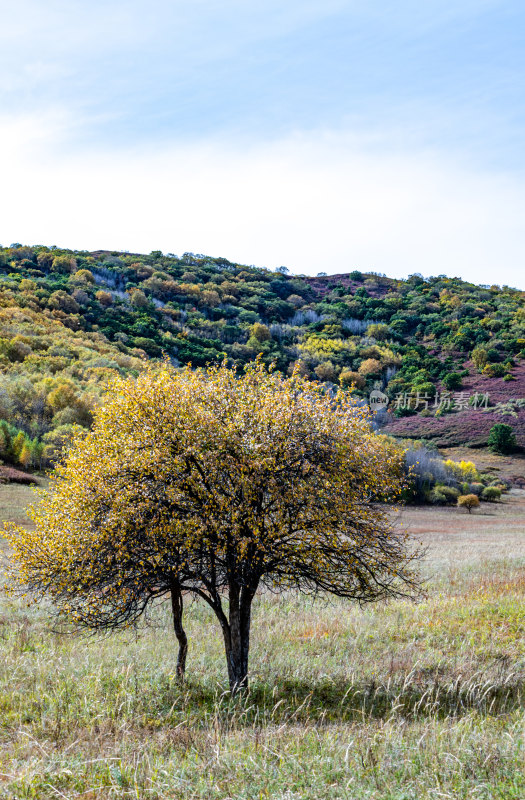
(494, 370)
(347, 377)
(370, 366)
(452, 381)
(491, 494)
(462, 470)
(260, 332)
(476, 488)
(479, 357)
(151, 348)
(501, 439)
(468, 501)
(325, 371)
(450, 493)
(500, 484)
(437, 497)
(493, 355)
(378, 330)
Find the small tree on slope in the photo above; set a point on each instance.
(216, 484)
(502, 439)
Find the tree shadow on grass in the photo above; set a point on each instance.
(295, 701)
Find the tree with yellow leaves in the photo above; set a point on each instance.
(217, 484)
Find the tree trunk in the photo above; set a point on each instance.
(177, 606)
(237, 637)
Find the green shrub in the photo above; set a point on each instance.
(437, 497)
(450, 492)
(493, 355)
(501, 439)
(452, 381)
(494, 370)
(476, 488)
(491, 494)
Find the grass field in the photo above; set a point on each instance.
(403, 702)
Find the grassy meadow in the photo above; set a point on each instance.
(399, 702)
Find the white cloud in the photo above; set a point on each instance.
(311, 202)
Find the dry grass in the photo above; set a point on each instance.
(14, 499)
(403, 702)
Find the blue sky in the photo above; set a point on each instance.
(320, 135)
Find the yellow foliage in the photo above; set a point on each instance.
(370, 366)
(315, 344)
(468, 501)
(463, 470)
(186, 473)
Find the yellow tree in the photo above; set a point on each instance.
(217, 484)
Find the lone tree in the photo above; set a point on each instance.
(216, 484)
(468, 501)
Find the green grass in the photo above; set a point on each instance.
(398, 702)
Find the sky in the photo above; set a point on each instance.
(317, 135)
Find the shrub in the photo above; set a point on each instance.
(260, 332)
(82, 276)
(491, 494)
(378, 330)
(450, 493)
(501, 439)
(462, 470)
(325, 371)
(452, 381)
(12, 475)
(347, 377)
(500, 484)
(104, 298)
(479, 357)
(476, 488)
(494, 370)
(370, 366)
(426, 469)
(296, 300)
(437, 497)
(139, 299)
(468, 501)
(147, 344)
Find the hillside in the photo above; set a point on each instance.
(69, 320)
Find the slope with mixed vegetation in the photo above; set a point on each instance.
(70, 320)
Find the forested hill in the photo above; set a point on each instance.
(71, 319)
